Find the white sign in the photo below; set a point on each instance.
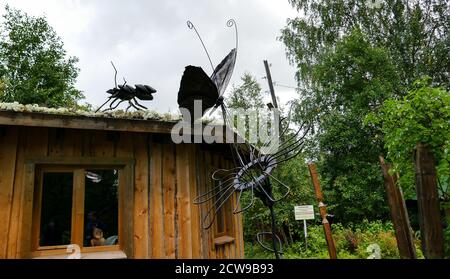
(304, 212)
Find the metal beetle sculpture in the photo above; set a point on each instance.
(124, 92)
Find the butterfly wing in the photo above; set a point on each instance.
(196, 85)
(223, 72)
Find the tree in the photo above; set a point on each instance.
(351, 57)
(421, 116)
(350, 80)
(415, 33)
(247, 95)
(33, 63)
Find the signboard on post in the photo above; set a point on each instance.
(304, 212)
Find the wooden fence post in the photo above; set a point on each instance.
(428, 202)
(399, 214)
(323, 211)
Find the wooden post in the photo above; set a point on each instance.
(428, 202)
(269, 80)
(399, 214)
(274, 98)
(323, 211)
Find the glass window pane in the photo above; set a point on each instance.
(101, 207)
(56, 209)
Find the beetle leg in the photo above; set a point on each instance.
(109, 99)
(137, 103)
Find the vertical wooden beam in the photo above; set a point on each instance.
(157, 203)
(37, 146)
(195, 209)
(201, 171)
(78, 207)
(8, 151)
(323, 211)
(124, 149)
(17, 194)
(399, 214)
(428, 202)
(184, 202)
(169, 189)
(140, 233)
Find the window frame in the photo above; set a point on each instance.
(35, 167)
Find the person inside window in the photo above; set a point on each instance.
(93, 226)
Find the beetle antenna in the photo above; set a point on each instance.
(191, 26)
(115, 74)
(124, 81)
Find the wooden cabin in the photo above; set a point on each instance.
(61, 176)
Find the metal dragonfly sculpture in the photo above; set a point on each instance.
(124, 92)
(253, 174)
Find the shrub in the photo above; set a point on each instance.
(351, 243)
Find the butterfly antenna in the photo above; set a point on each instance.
(115, 74)
(191, 26)
(231, 23)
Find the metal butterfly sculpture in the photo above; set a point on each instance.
(253, 171)
(197, 85)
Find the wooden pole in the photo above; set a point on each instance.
(323, 211)
(269, 80)
(428, 202)
(277, 118)
(399, 214)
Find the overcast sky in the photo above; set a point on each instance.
(150, 43)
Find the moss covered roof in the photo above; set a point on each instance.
(120, 114)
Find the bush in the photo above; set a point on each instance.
(351, 243)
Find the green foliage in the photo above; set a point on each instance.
(350, 80)
(33, 63)
(351, 57)
(414, 32)
(247, 95)
(2, 87)
(446, 207)
(421, 116)
(351, 243)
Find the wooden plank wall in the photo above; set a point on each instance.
(167, 178)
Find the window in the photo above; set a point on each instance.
(81, 204)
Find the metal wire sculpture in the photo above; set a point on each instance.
(253, 171)
(197, 85)
(124, 92)
(254, 174)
